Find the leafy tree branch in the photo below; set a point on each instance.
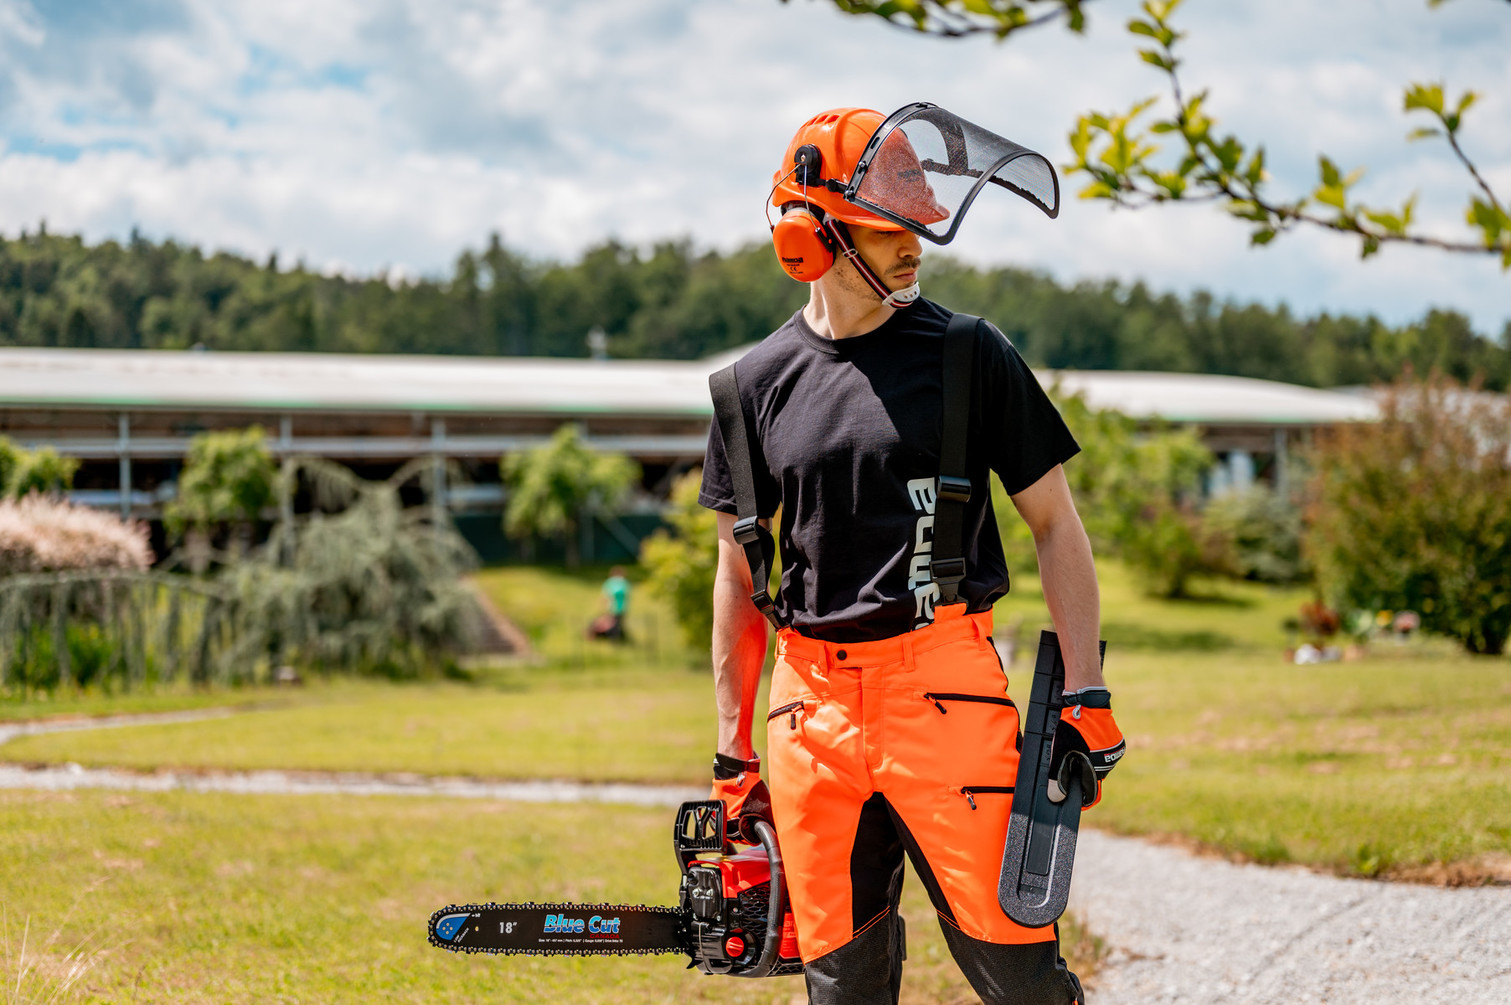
(960, 18)
(1118, 153)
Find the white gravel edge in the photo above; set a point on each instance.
(1191, 929)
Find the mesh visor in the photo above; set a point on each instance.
(924, 166)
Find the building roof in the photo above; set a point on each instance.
(1211, 399)
(276, 381)
(298, 382)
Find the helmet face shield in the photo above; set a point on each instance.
(924, 166)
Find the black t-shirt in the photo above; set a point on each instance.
(848, 433)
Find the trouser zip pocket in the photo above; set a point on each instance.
(791, 709)
(940, 697)
(971, 791)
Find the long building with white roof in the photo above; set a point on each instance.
(129, 414)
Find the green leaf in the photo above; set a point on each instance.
(1423, 133)
(1487, 218)
(1331, 177)
(1331, 195)
(1138, 27)
(1254, 173)
(1263, 235)
(1157, 59)
(1388, 222)
(1428, 97)
(1370, 246)
(1173, 183)
(1229, 152)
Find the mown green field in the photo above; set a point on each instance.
(210, 898)
(1392, 764)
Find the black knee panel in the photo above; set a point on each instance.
(1033, 974)
(867, 970)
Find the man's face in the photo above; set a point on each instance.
(893, 254)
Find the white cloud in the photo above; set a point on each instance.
(389, 134)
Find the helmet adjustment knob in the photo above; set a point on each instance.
(809, 163)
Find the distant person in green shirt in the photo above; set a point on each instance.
(616, 596)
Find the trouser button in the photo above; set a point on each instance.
(840, 655)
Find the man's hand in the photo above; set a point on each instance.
(1087, 742)
(738, 785)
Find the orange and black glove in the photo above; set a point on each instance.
(738, 785)
(1087, 742)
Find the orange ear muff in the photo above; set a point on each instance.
(802, 247)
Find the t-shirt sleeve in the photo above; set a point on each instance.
(1025, 436)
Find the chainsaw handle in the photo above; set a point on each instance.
(776, 906)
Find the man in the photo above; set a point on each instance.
(889, 729)
(616, 598)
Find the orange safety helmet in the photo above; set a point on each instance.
(808, 190)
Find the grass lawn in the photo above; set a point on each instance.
(627, 725)
(210, 898)
(1393, 764)
(72, 703)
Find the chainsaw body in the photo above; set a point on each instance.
(734, 903)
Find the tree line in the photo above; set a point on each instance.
(672, 301)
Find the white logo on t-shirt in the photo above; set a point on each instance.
(921, 492)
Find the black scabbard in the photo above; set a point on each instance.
(1041, 835)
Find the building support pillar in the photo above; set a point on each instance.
(123, 450)
(438, 472)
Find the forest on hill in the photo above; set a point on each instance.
(676, 302)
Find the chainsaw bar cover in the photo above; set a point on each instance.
(1041, 834)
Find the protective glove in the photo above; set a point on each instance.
(1087, 742)
(746, 799)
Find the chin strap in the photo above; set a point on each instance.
(841, 236)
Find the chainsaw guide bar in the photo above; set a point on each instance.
(559, 929)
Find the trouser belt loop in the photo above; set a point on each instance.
(907, 653)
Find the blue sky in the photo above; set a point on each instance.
(366, 135)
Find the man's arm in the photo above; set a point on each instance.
(739, 644)
(1067, 573)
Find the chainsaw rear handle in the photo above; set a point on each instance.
(776, 906)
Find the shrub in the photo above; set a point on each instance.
(1259, 531)
(227, 478)
(682, 562)
(372, 587)
(551, 487)
(1137, 493)
(1414, 512)
(39, 534)
(43, 470)
(25, 471)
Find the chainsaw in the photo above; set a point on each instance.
(731, 915)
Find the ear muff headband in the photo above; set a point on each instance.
(804, 249)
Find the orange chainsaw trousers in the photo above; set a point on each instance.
(910, 740)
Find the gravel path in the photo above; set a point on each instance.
(1199, 930)
(10, 730)
(299, 783)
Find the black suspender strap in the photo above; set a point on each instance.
(948, 565)
(749, 534)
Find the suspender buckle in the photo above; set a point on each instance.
(954, 489)
(764, 604)
(947, 571)
(747, 531)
